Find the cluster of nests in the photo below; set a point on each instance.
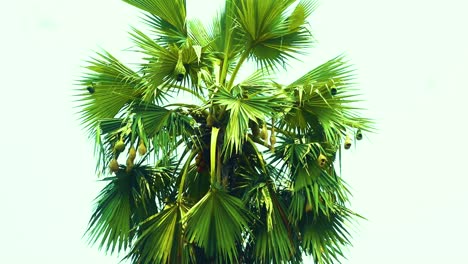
(119, 147)
(206, 121)
(322, 159)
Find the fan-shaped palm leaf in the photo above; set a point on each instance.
(127, 199)
(216, 224)
(324, 236)
(111, 87)
(170, 14)
(245, 107)
(161, 238)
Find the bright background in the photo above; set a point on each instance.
(409, 179)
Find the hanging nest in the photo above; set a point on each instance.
(180, 70)
(347, 143)
(142, 148)
(132, 153)
(90, 89)
(114, 166)
(359, 134)
(272, 139)
(119, 146)
(322, 160)
(130, 163)
(264, 132)
(333, 91)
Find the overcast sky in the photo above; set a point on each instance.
(409, 179)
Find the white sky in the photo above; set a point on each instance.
(408, 179)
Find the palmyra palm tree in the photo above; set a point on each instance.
(204, 168)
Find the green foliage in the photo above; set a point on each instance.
(216, 224)
(125, 201)
(220, 170)
(160, 237)
(244, 106)
(170, 14)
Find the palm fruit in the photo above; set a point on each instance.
(114, 166)
(333, 91)
(119, 146)
(347, 143)
(308, 207)
(322, 160)
(359, 134)
(180, 77)
(142, 148)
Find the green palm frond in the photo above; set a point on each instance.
(166, 65)
(169, 13)
(216, 224)
(198, 182)
(335, 72)
(273, 33)
(227, 40)
(319, 108)
(161, 237)
(111, 220)
(272, 239)
(105, 135)
(200, 34)
(245, 107)
(301, 12)
(111, 87)
(155, 118)
(166, 33)
(316, 186)
(168, 128)
(275, 52)
(261, 77)
(324, 236)
(160, 69)
(262, 19)
(127, 199)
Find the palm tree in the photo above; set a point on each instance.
(204, 168)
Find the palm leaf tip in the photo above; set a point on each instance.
(171, 12)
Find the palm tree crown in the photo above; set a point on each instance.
(204, 168)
